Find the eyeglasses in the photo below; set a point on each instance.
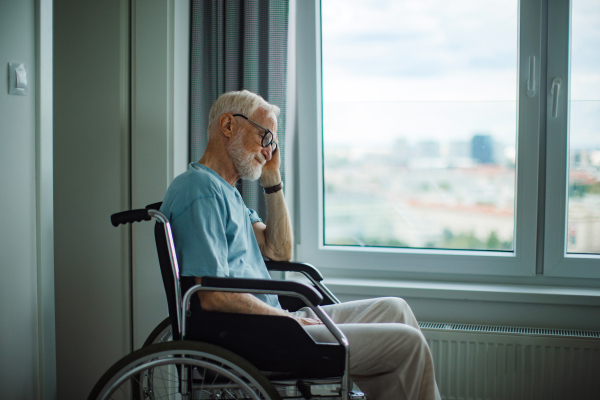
(267, 138)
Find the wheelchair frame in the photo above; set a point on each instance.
(311, 297)
(184, 304)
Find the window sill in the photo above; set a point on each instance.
(465, 291)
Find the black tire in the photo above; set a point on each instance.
(217, 362)
(162, 333)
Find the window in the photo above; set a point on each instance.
(419, 151)
(430, 117)
(583, 229)
(572, 234)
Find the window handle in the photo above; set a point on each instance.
(555, 89)
(531, 80)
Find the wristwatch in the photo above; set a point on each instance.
(273, 189)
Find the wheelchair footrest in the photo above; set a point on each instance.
(304, 389)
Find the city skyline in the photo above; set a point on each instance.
(420, 111)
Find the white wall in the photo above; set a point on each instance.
(27, 352)
(18, 289)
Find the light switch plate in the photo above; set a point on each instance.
(17, 79)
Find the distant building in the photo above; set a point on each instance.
(459, 155)
(400, 152)
(482, 149)
(459, 150)
(428, 149)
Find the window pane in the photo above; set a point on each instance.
(584, 129)
(419, 123)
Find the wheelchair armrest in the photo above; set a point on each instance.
(154, 206)
(311, 294)
(295, 267)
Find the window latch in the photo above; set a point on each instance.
(555, 89)
(531, 80)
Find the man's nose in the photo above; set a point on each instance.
(267, 152)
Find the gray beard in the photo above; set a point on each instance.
(243, 161)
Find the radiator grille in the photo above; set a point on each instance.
(496, 362)
(509, 329)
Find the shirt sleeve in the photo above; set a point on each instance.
(253, 216)
(200, 234)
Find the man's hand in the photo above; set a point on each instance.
(305, 320)
(270, 175)
(309, 321)
(274, 238)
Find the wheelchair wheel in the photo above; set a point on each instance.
(155, 372)
(162, 333)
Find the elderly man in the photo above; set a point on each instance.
(217, 235)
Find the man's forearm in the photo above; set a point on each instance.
(278, 235)
(244, 303)
(241, 303)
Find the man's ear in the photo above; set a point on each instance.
(226, 123)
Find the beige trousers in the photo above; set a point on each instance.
(389, 357)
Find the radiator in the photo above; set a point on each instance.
(489, 362)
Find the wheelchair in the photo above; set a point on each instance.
(196, 354)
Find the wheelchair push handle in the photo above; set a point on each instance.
(129, 217)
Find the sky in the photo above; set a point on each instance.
(441, 70)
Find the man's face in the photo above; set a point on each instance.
(246, 151)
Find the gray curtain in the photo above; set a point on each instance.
(238, 44)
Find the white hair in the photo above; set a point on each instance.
(240, 102)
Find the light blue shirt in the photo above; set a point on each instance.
(212, 228)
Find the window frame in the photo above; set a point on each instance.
(369, 262)
(557, 262)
